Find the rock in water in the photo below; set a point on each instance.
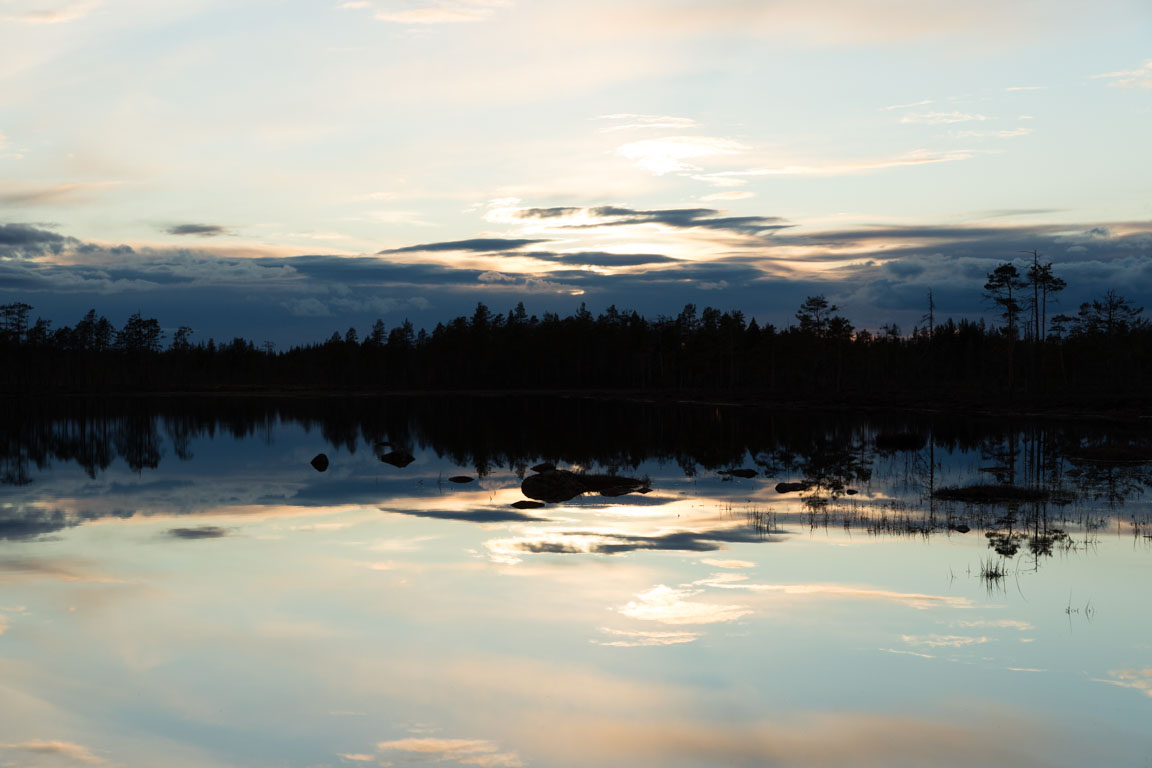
(743, 472)
(459, 479)
(320, 463)
(553, 487)
(546, 466)
(398, 458)
(791, 487)
(525, 504)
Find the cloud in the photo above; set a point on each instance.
(674, 606)
(56, 194)
(58, 569)
(1130, 78)
(632, 122)
(201, 532)
(641, 639)
(943, 641)
(58, 15)
(1136, 679)
(434, 11)
(65, 749)
(676, 218)
(937, 118)
(25, 241)
(916, 600)
(202, 230)
(475, 245)
(728, 563)
(670, 154)
(913, 158)
(462, 751)
(1004, 134)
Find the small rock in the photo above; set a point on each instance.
(460, 479)
(525, 504)
(320, 462)
(960, 528)
(546, 466)
(743, 472)
(851, 491)
(791, 487)
(398, 458)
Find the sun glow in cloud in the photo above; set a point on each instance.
(670, 154)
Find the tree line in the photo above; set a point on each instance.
(1102, 351)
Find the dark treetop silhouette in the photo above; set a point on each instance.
(1101, 355)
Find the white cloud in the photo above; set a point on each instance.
(734, 195)
(1130, 78)
(439, 11)
(640, 122)
(915, 157)
(1026, 88)
(1136, 679)
(923, 103)
(1005, 134)
(669, 154)
(943, 641)
(639, 639)
(672, 606)
(937, 118)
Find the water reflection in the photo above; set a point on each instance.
(179, 586)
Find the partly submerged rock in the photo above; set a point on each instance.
(851, 491)
(397, 458)
(545, 466)
(526, 504)
(959, 528)
(554, 486)
(792, 487)
(320, 462)
(559, 485)
(460, 479)
(743, 472)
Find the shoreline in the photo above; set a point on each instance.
(1135, 410)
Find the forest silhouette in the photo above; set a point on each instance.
(1101, 355)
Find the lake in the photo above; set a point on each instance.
(179, 586)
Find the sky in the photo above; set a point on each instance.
(280, 170)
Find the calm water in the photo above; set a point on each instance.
(179, 587)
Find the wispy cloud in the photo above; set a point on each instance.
(1136, 679)
(60, 14)
(837, 168)
(1004, 134)
(462, 751)
(943, 641)
(923, 103)
(630, 122)
(432, 11)
(55, 194)
(937, 118)
(64, 749)
(1130, 78)
(1013, 88)
(641, 639)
